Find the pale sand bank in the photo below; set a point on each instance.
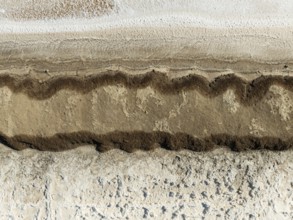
(133, 31)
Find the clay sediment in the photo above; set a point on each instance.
(247, 92)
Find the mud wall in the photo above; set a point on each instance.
(144, 109)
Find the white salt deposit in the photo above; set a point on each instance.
(160, 13)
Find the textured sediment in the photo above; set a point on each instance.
(146, 109)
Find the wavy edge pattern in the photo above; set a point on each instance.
(140, 140)
(248, 92)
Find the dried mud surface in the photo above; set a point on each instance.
(206, 135)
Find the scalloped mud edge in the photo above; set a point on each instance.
(184, 76)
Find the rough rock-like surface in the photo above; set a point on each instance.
(84, 184)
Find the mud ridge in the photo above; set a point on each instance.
(248, 92)
(139, 140)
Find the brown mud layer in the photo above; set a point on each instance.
(139, 140)
(247, 92)
(131, 111)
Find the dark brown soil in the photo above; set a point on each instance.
(139, 140)
(247, 92)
